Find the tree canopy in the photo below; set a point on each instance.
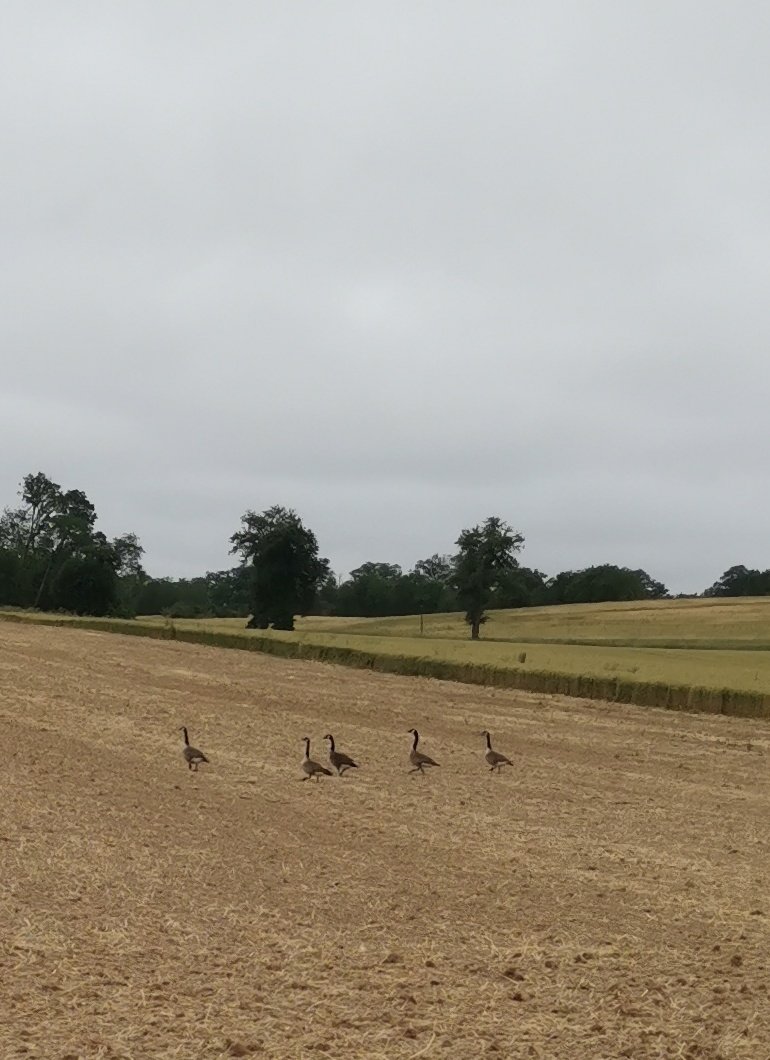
(51, 555)
(741, 581)
(287, 571)
(487, 553)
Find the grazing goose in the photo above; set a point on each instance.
(309, 767)
(495, 760)
(417, 758)
(340, 761)
(192, 756)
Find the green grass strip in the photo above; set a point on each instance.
(619, 690)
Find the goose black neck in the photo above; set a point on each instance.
(415, 739)
(307, 747)
(489, 741)
(186, 739)
(331, 743)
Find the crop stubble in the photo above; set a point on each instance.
(605, 897)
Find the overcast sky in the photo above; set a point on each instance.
(397, 265)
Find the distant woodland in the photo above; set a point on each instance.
(53, 558)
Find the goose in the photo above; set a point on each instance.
(309, 767)
(340, 761)
(495, 760)
(192, 756)
(417, 758)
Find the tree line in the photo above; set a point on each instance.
(52, 557)
(289, 577)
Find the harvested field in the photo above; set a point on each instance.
(606, 897)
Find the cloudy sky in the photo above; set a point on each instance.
(397, 265)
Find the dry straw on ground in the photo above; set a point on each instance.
(604, 898)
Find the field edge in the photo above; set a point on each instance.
(682, 697)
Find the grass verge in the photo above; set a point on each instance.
(386, 658)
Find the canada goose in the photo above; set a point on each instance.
(340, 761)
(417, 758)
(495, 760)
(192, 755)
(309, 767)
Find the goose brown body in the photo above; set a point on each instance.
(311, 768)
(340, 761)
(494, 759)
(417, 758)
(192, 756)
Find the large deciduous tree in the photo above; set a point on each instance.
(53, 557)
(286, 568)
(741, 581)
(128, 556)
(653, 589)
(21, 528)
(486, 554)
(69, 532)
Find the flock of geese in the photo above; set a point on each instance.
(342, 762)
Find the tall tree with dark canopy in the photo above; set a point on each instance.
(22, 527)
(70, 532)
(741, 581)
(53, 557)
(487, 553)
(286, 568)
(128, 556)
(653, 589)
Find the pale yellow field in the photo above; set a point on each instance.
(700, 623)
(605, 897)
(725, 644)
(726, 622)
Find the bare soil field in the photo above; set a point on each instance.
(605, 897)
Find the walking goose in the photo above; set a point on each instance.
(495, 760)
(311, 768)
(192, 756)
(417, 758)
(340, 761)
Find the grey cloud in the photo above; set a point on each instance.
(396, 266)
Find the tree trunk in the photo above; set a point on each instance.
(475, 628)
(43, 580)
